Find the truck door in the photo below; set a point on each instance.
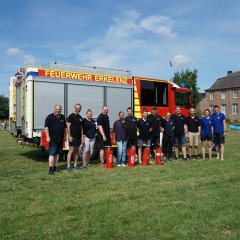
(152, 93)
(18, 107)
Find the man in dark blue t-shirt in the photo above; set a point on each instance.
(55, 128)
(219, 131)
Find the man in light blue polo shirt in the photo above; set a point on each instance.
(219, 131)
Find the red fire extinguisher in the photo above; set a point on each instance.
(146, 156)
(109, 157)
(159, 156)
(131, 156)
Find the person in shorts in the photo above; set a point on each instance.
(74, 129)
(55, 128)
(103, 132)
(179, 133)
(206, 133)
(219, 131)
(89, 132)
(167, 127)
(192, 133)
(144, 128)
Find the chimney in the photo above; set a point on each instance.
(229, 72)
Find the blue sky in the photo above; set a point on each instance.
(138, 35)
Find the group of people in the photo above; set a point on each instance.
(131, 132)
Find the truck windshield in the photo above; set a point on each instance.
(182, 99)
(154, 93)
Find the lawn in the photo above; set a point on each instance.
(179, 200)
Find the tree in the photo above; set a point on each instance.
(4, 107)
(188, 79)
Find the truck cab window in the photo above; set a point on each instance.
(154, 93)
(182, 99)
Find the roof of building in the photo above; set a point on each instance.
(202, 95)
(232, 80)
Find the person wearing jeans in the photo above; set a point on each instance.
(120, 130)
(121, 153)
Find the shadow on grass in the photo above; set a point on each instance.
(36, 155)
(39, 156)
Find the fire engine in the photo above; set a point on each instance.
(34, 90)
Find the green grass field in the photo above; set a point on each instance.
(179, 200)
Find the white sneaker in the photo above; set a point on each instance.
(119, 165)
(123, 165)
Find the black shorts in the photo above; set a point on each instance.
(75, 142)
(102, 144)
(218, 138)
(206, 138)
(132, 141)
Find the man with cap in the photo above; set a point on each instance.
(155, 121)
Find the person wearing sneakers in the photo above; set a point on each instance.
(167, 126)
(55, 127)
(192, 133)
(219, 131)
(155, 121)
(103, 132)
(89, 132)
(206, 132)
(120, 130)
(131, 128)
(74, 129)
(179, 133)
(144, 128)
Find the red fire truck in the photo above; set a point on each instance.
(35, 90)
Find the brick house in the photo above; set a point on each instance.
(225, 93)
